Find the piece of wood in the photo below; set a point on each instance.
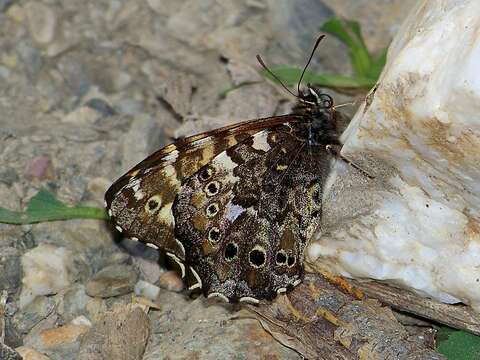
(324, 321)
(456, 316)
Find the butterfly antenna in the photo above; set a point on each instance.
(350, 103)
(320, 38)
(259, 59)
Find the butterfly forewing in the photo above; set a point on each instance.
(140, 202)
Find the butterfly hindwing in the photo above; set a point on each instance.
(245, 217)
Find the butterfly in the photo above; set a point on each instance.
(236, 206)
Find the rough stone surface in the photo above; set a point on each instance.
(201, 329)
(119, 334)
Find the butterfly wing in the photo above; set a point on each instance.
(245, 217)
(140, 202)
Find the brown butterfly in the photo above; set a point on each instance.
(235, 207)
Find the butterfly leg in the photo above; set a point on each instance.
(335, 151)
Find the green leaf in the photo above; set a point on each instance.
(367, 69)
(349, 32)
(458, 345)
(225, 91)
(378, 64)
(290, 75)
(45, 207)
(336, 28)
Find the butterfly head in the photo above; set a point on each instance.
(312, 97)
(313, 103)
(318, 123)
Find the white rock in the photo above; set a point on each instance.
(418, 224)
(82, 115)
(46, 270)
(81, 320)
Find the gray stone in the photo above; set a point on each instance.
(10, 269)
(4, 4)
(74, 303)
(7, 353)
(113, 280)
(8, 176)
(75, 75)
(34, 313)
(146, 290)
(32, 59)
(101, 106)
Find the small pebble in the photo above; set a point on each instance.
(9, 60)
(30, 354)
(42, 22)
(40, 168)
(100, 106)
(113, 280)
(81, 320)
(15, 12)
(83, 115)
(171, 281)
(119, 258)
(147, 290)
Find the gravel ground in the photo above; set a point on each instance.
(90, 88)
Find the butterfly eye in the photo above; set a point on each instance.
(206, 173)
(214, 235)
(153, 204)
(231, 251)
(257, 257)
(212, 188)
(281, 258)
(291, 260)
(212, 210)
